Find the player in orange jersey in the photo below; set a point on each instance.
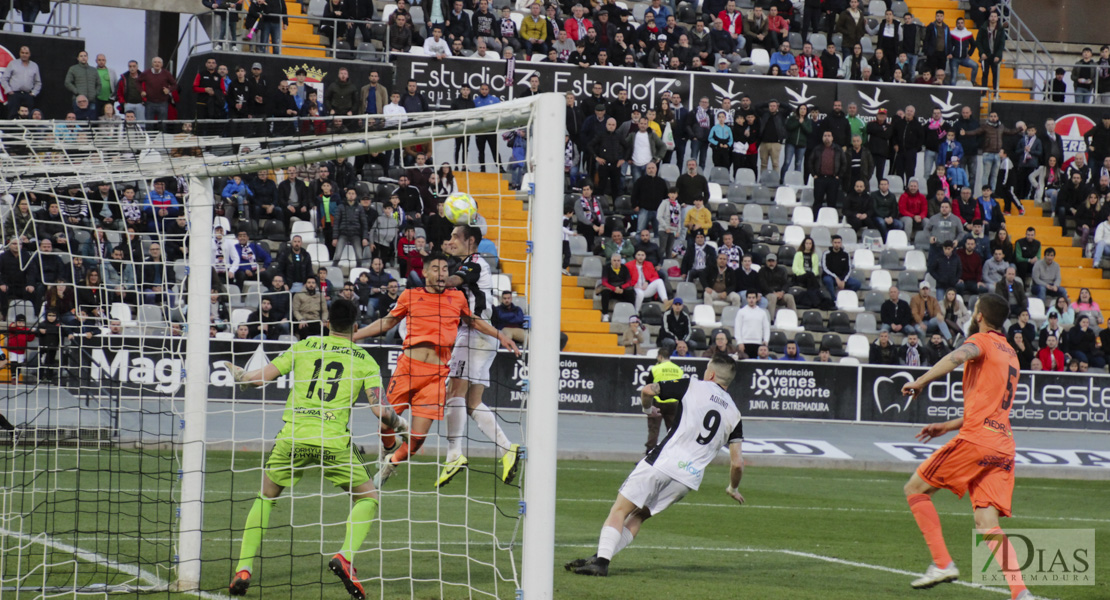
(418, 382)
(980, 459)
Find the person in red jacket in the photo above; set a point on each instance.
(18, 338)
(616, 284)
(809, 64)
(1051, 357)
(646, 282)
(131, 92)
(913, 207)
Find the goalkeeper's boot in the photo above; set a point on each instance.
(384, 473)
(452, 468)
(595, 568)
(237, 374)
(510, 463)
(346, 573)
(935, 575)
(240, 583)
(579, 563)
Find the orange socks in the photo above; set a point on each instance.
(1007, 560)
(408, 449)
(388, 439)
(929, 522)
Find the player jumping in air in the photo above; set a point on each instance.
(707, 420)
(434, 313)
(980, 459)
(471, 360)
(329, 374)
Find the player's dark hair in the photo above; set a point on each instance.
(725, 368)
(342, 316)
(994, 309)
(436, 256)
(471, 232)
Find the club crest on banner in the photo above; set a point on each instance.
(314, 78)
(1072, 128)
(6, 58)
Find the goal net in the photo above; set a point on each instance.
(139, 260)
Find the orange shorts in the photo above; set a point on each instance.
(961, 466)
(420, 386)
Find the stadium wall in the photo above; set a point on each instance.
(610, 384)
(54, 56)
(1066, 21)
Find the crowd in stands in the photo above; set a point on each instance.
(642, 201)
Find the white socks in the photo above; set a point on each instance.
(626, 539)
(487, 422)
(454, 413)
(608, 542)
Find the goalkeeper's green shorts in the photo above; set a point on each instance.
(288, 462)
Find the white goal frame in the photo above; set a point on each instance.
(547, 117)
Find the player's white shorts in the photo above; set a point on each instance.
(647, 487)
(472, 356)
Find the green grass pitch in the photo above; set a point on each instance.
(804, 533)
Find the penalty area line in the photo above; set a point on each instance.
(152, 580)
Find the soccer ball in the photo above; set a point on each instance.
(460, 208)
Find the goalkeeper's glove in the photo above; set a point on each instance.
(237, 374)
(401, 428)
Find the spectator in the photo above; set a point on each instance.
(310, 309)
(806, 271)
(836, 264)
(266, 323)
(858, 209)
(882, 351)
(723, 344)
(1101, 242)
(927, 313)
(956, 315)
(225, 256)
(533, 30)
(350, 227)
(253, 259)
(1012, 288)
(914, 354)
(646, 282)
(774, 280)
(886, 215)
(647, 193)
(909, 137)
(1084, 74)
(826, 163)
(798, 130)
(719, 283)
(676, 323)
(635, 338)
(1024, 327)
(21, 82)
(589, 216)
(696, 128)
(944, 226)
(509, 318)
(1047, 277)
(644, 149)
(651, 250)
(608, 150)
(83, 79)
(752, 326)
(616, 244)
(895, 314)
(616, 284)
(1082, 343)
(790, 352)
(699, 256)
(1085, 304)
(1050, 355)
(913, 208)
(698, 219)
(971, 272)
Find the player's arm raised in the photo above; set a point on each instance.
(379, 327)
(944, 366)
(483, 326)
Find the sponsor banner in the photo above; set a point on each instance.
(54, 56)
(276, 68)
(790, 92)
(791, 447)
(870, 97)
(1056, 400)
(1073, 121)
(795, 390)
(1027, 457)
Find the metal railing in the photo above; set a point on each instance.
(212, 31)
(1030, 55)
(64, 20)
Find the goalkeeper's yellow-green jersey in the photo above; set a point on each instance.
(328, 375)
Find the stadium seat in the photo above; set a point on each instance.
(863, 260)
(763, 195)
(840, 322)
(867, 323)
(745, 176)
(388, 10)
(896, 184)
(688, 292)
(896, 240)
(858, 347)
(777, 341)
(803, 216)
(921, 240)
(578, 246)
(502, 283)
(119, 311)
(305, 229)
(759, 254)
(669, 172)
(795, 179)
(738, 192)
(728, 316)
(769, 179)
(891, 260)
(705, 316)
(786, 196)
(697, 340)
(356, 272)
(806, 343)
(786, 320)
(873, 300)
(321, 256)
(876, 8)
(812, 321)
(591, 267)
(716, 194)
(828, 217)
(725, 211)
(867, 44)
(908, 282)
(834, 344)
(1037, 310)
(822, 238)
(818, 40)
(848, 238)
(849, 361)
(779, 215)
(719, 175)
(848, 301)
(686, 14)
(793, 236)
(622, 311)
(915, 261)
(760, 57)
(651, 313)
(239, 316)
(224, 335)
(786, 255)
(234, 296)
(881, 280)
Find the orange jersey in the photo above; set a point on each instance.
(989, 384)
(432, 318)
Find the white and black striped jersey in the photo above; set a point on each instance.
(706, 420)
(477, 285)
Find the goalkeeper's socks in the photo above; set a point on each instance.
(928, 521)
(358, 526)
(1007, 560)
(454, 412)
(487, 422)
(257, 521)
(607, 544)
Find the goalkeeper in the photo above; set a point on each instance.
(329, 374)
